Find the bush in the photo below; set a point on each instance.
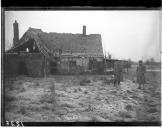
(10, 87)
(97, 119)
(46, 106)
(129, 108)
(75, 90)
(94, 119)
(19, 88)
(67, 105)
(80, 89)
(36, 84)
(9, 98)
(46, 98)
(22, 110)
(85, 92)
(22, 89)
(125, 114)
(85, 82)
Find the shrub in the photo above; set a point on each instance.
(84, 82)
(67, 105)
(85, 92)
(97, 119)
(80, 89)
(46, 98)
(22, 110)
(19, 88)
(129, 108)
(94, 119)
(46, 106)
(9, 98)
(36, 84)
(22, 89)
(102, 78)
(10, 87)
(125, 114)
(152, 110)
(75, 90)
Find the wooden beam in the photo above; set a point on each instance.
(45, 67)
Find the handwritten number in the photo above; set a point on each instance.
(22, 124)
(17, 123)
(7, 123)
(12, 123)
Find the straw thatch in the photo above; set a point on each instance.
(54, 43)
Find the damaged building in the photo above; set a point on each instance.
(38, 53)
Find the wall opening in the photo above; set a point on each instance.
(29, 47)
(22, 69)
(53, 68)
(72, 65)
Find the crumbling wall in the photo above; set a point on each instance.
(10, 64)
(33, 63)
(64, 67)
(81, 65)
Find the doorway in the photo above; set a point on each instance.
(53, 68)
(22, 69)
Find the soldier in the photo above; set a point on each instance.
(118, 72)
(141, 70)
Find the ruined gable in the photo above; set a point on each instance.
(50, 43)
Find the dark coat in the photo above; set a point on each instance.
(141, 70)
(118, 71)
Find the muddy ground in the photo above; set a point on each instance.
(82, 98)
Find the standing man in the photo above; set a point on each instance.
(118, 72)
(141, 70)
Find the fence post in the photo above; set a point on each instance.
(53, 95)
(45, 67)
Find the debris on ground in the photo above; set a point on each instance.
(29, 99)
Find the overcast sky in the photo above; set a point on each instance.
(125, 34)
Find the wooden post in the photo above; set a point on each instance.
(45, 66)
(105, 65)
(53, 95)
(68, 65)
(127, 66)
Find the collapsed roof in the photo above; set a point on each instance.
(48, 43)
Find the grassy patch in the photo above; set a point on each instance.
(47, 98)
(9, 98)
(129, 107)
(124, 114)
(22, 110)
(84, 82)
(67, 105)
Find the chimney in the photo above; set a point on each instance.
(109, 56)
(84, 30)
(16, 33)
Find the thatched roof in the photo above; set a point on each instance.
(76, 44)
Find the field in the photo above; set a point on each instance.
(76, 98)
